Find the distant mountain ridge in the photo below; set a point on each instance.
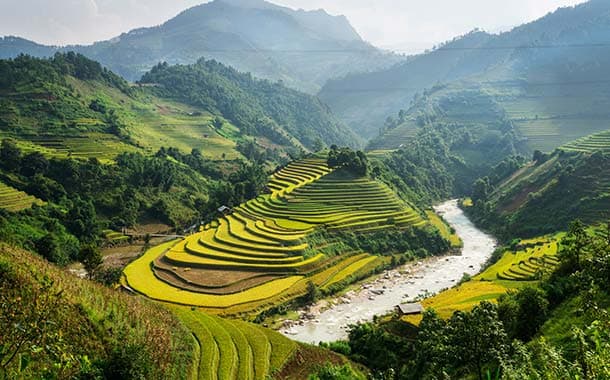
(301, 48)
(532, 61)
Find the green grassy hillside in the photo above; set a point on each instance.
(73, 107)
(57, 326)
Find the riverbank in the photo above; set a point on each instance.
(329, 320)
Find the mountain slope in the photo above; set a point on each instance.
(301, 48)
(548, 74)
(257, 107)
(74, 107)
(545, 196)
(79, 329)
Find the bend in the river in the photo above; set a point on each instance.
(403, 284)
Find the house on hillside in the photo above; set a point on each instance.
(409, 308)
(224, 210)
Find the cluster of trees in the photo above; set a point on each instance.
(33, 71)
(257, 107)
(412, 242)
(489, 341)
(353, 161)
(86, 196)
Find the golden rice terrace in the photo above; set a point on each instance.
(258, 255)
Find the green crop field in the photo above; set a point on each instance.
(235, 349)
(14, 200)
(259, 255)
(599, 142)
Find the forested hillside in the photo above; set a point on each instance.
(301, 48)
(257, 107)
(547, 194)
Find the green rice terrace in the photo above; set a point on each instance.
(232, 349)
(263, 252)
(599, 142)
(14, 200)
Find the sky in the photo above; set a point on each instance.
(406, 26)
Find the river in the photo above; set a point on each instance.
(326, 322)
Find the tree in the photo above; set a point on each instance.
(10, 155)
(34, 163)
(523, 312)
(480, 190)
(313, 293)
(477, 338)
(572, 245)
(92, 258)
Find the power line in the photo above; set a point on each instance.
(442, 48)
(475, 86)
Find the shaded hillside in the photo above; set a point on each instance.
(302, 48)
(548, 194)
(365, 100)
(549, 75)
(445, 142)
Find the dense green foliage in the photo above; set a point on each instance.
(354, 162)
(86, 196)
(545, 196)
(489, 340)
(39, 89)
(438, 162)
(257, 107)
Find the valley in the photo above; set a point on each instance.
(247, 190)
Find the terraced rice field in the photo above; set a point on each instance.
(538, 257)
(259, 255)
(14, 200)
(534, 258)
(599, 142)
(93, 145)
(231, 349)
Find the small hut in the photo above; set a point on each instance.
(410, 308)
(224, 210)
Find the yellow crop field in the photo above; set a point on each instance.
(536, 253)
(350, 270)
(463, 297)
(258, 254)
(140, 278)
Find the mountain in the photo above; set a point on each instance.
(549, 76)
(72, 101)
(257, 107)
(301, 48)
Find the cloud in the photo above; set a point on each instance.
(83, 21)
